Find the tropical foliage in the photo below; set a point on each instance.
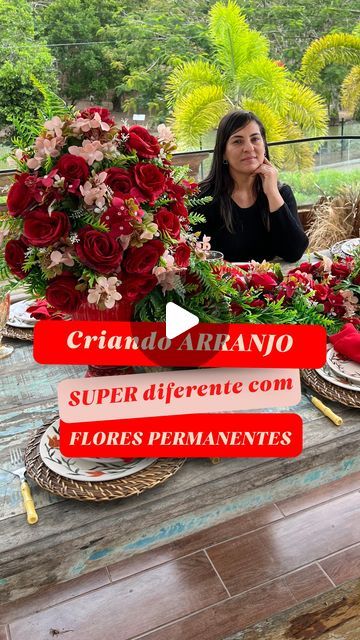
(340, 48)
(241, 74)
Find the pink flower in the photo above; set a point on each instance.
(90, 151)
(94, 192)
(58, 257)
(54, 126)
(86, 124)
(105, 293)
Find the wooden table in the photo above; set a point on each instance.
(72, 538)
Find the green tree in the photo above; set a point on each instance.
(22, 55)
(150, 40)
(73, 27)
(341, 48)
(242, 75)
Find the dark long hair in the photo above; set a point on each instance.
(219, 182)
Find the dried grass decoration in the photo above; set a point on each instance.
(334, 219)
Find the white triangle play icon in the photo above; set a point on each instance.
(178, 320)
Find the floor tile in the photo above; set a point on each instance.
(308, 582)
(230, 616)
(288, 544)
(224, 531)
(344, 565)
(322, 494)
(131, 606)
(53, 595)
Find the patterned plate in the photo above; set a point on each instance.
(343, 367)
(84, 469)
(336, 249)
(18, 316)
(349, 246)
(330, 375)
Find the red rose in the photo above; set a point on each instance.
(134, 287)
(103, 113)
(175, 190)
(264, 280)
(118, 221)
(15, 257)
(62, 295)
(182, 255)
(98, 250)
(73, 168)
(120, 182)
(168, 222)
(141, 141)
(150, 181)
(143, 259)
(21, 195)
(42, 229)
(357, 279)
(340, 270)
(179, 209)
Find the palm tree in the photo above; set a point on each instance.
(340, 48)
(242, 75)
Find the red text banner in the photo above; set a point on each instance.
(242, 435)
(145, 344)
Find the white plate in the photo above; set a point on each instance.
(18, 316)
(343, 367)
(349, 246)
(329, 375)
(85, 469)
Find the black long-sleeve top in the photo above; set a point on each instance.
(251, 239)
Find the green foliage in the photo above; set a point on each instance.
(308, 186)
(84, 69)
(22, 55)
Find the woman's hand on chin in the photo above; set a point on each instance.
(269, 177)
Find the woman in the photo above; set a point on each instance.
(251, 216)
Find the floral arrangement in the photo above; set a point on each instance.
(98, 214)
(325, 292)
(99, 217)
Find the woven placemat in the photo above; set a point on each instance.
(329, 390)
(19, 334)
(160, 471)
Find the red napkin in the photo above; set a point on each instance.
(347, 342)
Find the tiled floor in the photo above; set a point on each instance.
(210, 584)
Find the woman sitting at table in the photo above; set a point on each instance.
(251, 216)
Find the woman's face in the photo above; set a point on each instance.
(245, 149)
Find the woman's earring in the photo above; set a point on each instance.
(225, 162)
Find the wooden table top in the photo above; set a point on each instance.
(72, 538)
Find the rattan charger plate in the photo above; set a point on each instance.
(17, 333)
(156, 474)
(330, 391)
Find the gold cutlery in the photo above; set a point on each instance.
(326, 411)
(16, 460)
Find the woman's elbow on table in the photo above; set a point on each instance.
(293, 254)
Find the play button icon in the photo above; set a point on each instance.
(178, 320)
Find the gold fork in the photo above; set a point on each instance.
(16, 459)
